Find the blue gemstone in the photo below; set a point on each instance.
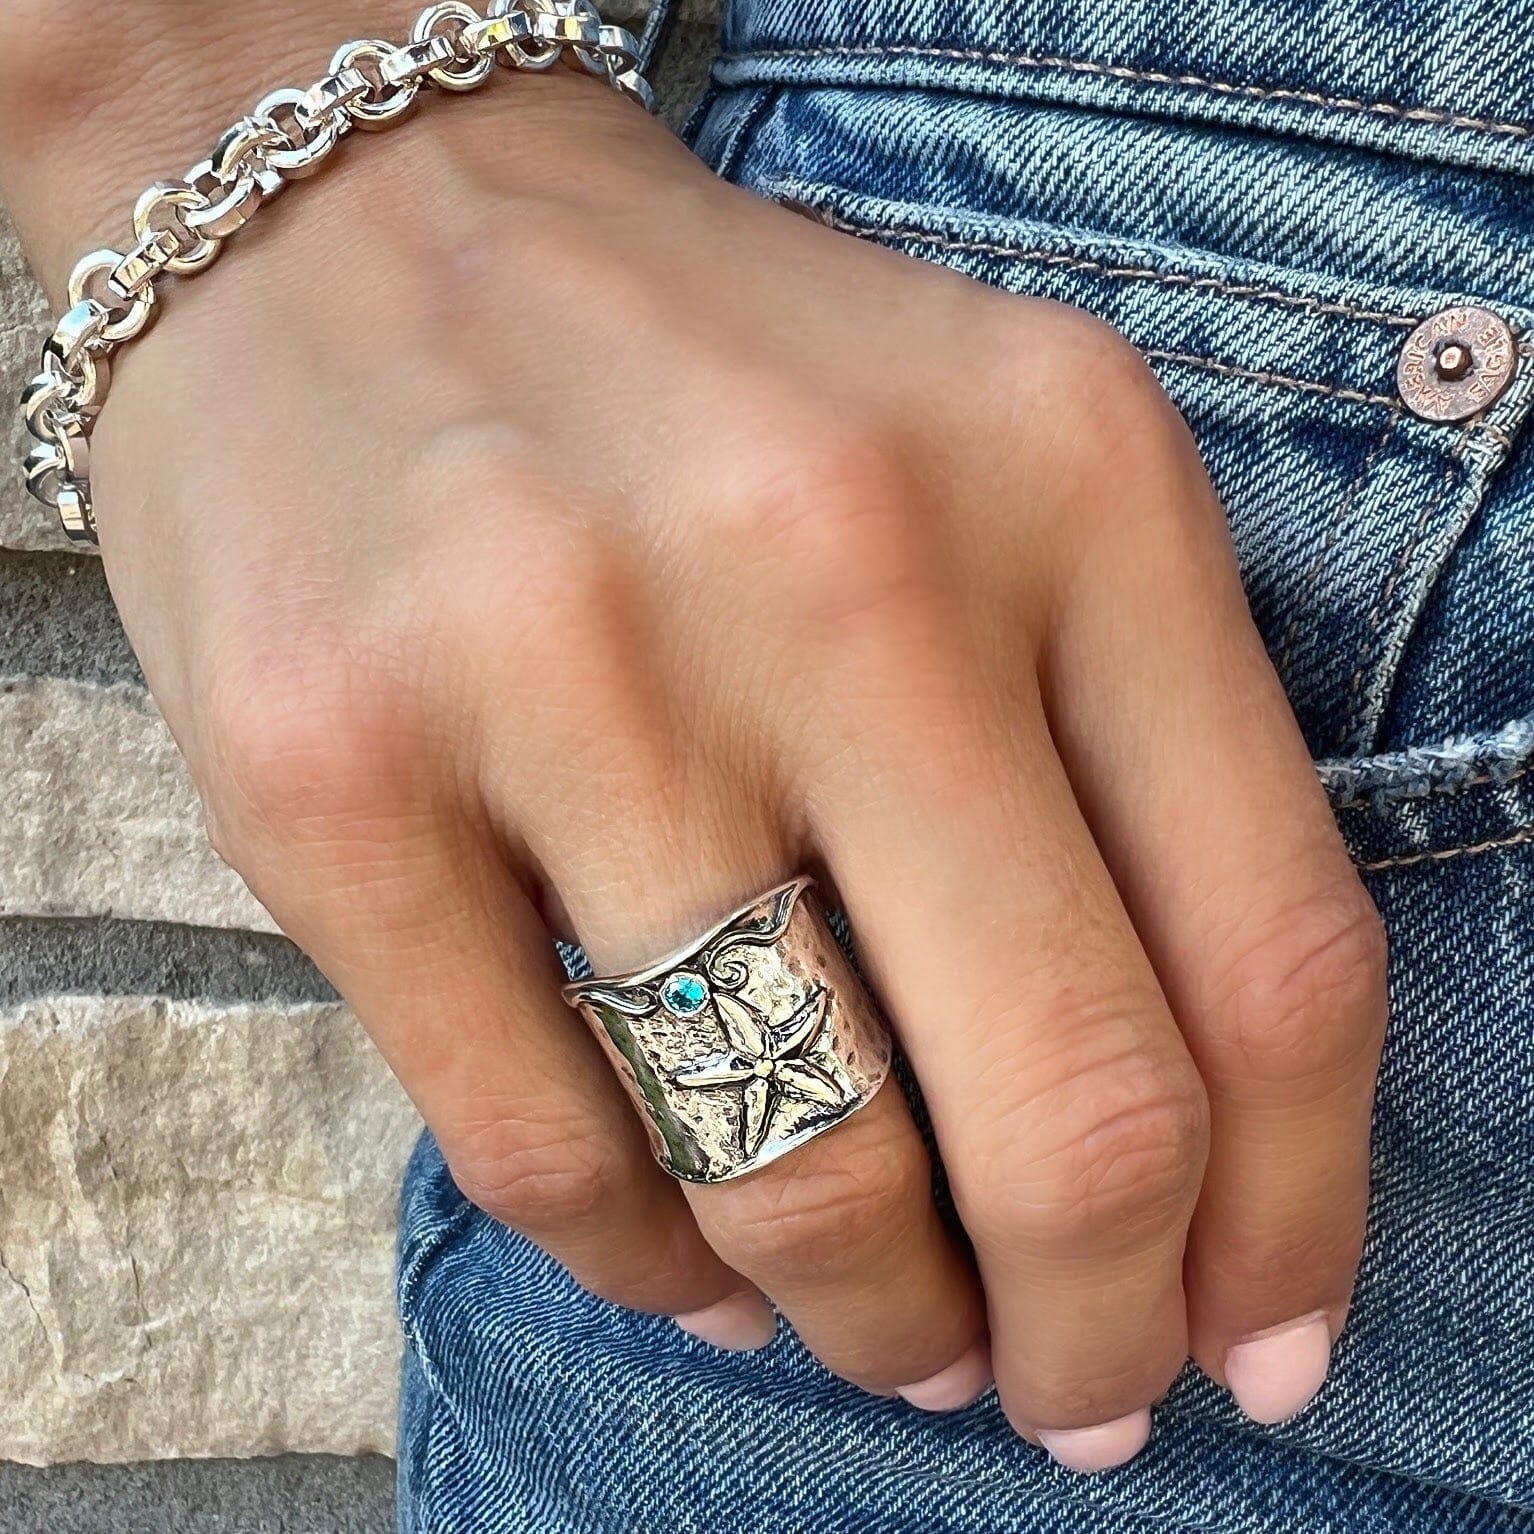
(684, 993)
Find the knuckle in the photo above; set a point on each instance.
(540, 1181)
(307, 749)
(1111, 1151)
(827, 510)
(1273, 1272)
(1104, 1388)
(822, 1222)
(1128, 464)
(1123, 397)
(1107, 386)
(1303, 998)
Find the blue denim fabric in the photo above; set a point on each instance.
(1265, 199)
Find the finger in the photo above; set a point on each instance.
(405, 904)
(1066, 1108)
(842, 1233)
(1201, 792)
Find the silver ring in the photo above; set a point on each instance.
(745, 1044)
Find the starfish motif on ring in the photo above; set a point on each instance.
(768, 1063)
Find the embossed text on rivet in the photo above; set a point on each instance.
(1456, 363)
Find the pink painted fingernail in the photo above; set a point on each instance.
(964, 1381)
(740, 1324)
(1276, 1373)
(1089, 1449)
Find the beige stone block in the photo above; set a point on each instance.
(101, 818)
(196, 1228)
(24, 524)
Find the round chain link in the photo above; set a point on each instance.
(180, 226)
(446, 24)
(162, 209)
(309, 132)
(228, 208)
(128, 314)
(385, 102)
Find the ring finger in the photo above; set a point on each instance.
(843, 1234)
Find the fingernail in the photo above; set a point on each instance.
(740, 1324)
(1276, 1373)
(1088, 1449)
(961, 1383)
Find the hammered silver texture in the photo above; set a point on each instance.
(746, 1044)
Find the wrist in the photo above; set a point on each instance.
(89, 116)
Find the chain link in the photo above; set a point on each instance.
(180, 226)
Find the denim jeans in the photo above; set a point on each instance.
(1265, 198)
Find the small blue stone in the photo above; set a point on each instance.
(684, 993)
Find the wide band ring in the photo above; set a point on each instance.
(745, 1044)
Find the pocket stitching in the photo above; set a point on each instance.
(744, 133)
(1476, 780)
(1387, 588)
(1271, 379)
(1515, 838)
(1433, 116)
(915, 234)
(1496, 759)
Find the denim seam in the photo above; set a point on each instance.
(1334, 528)
(1042, 257)
(897, 233)
(1515, 838)
(914, 234)
(427, 1449)
(1476, 780)
(734, 151)
(1434, 116)
(1392, 579)
(1497, 759)
(412, 1271)
(1274, 380)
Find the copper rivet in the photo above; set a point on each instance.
(1456, 363)
(1453, 361)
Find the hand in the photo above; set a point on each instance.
(562, 540)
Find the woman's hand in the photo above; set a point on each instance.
(526, 532)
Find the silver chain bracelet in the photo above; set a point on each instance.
(180, 226)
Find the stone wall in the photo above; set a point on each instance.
(199, 1150)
